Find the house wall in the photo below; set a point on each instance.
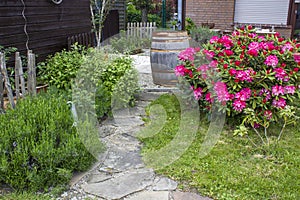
(48, 24)
(120, 6)
(220, 12)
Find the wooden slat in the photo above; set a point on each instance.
(1, 90)
(48, 25)
(6, 80)
(17, 75)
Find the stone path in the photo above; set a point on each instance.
(122, 173)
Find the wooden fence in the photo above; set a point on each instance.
(85, 39)
(140, 29)
(21, 86)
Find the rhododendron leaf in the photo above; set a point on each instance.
(254, 105)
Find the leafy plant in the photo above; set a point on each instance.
(40, 147)
(128, 44)
(190, 25)
(105, 81)
(201, 35)
(60, 69)
(254, 78)
(7, 51)
(117, 86)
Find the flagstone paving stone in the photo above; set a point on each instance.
(121, 173)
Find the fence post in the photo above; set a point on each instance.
(21, 74)
(6, 80)
(17, 74)
(31, 82)
(1, 88)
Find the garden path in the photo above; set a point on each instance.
(121, 174)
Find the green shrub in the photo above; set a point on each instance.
(155, 18)
(132, 14)
(129, 45)
(117, 86)
(189, 25)
(39, 146)
(101, 79)
(60, 69)
(201, 35)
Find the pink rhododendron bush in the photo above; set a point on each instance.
(252, 78)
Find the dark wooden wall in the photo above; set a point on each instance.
(120, 6)
(111, 25)
(48, 24)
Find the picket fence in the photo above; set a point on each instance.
(22, 87)
(141, 29)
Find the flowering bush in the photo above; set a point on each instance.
(247, 75)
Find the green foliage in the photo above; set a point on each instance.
(201, 35)
(117, 86)
(104, 82)
(7, 51)
(155, 18)
(128, 45)
(135, 15)
(40, 147)
(60, 69)
(234, 169)
(132, 14)
(25, 195)
(189, 25)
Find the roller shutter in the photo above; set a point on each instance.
(261, 11)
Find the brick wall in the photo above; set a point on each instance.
(220, 12)
(286, 32)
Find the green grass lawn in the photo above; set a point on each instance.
(234, 169)
(25, 196)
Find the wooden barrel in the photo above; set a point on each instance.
(165, 47)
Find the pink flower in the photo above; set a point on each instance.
(239, 105)
(270, 46)
(235, 33)
(289, 89)
(228, 52)
(241, 75)
(252, 35)
(198, 93)
(277, 90)
(254, 45)
(244, 94)
(271, 60)
(296, 57)
(180, 70)
(266, 93)
(214, 39)
(232, 72)
(208, 97)
(280, 103)
(209, 54)
(221, 90)
(203, 68)
(226, 41)
(213, 64)
(281, 74)
(253, 52)
(187, 54)
(268, 114)
(288, 47)
(256, 125)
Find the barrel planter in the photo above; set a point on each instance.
(165, 47)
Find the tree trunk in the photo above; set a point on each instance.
(144, 14)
